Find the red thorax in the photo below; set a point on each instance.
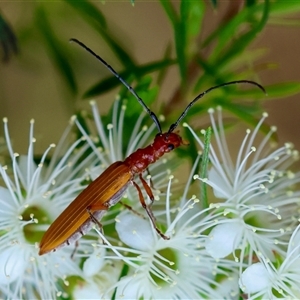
(163, 143)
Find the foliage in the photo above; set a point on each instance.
(8, 40)
(223, 55)
(202, 61)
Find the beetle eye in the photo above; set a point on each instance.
(171, 147)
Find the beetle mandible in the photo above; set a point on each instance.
(106, 190)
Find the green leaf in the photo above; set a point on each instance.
(214, 3)
(55, 50)
(111, 82)
(222, 51)
(243, 110)
(8, 40)
(89, 12)
(170, 11)
(204, 166)
(277, 90)
(181, 39)
(186, 32)
(227, 52)
(178, 24)
(195, 17)
(124, 57)
(213, 75)
(250, 2)
(225, 96)
(210, 74)
(283, 89)
(185, 26)
(95, 18)
(284, 22)
(249, 92)
(244, 59)
(246, 113)
(281, 7)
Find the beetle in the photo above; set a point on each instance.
(107, 189)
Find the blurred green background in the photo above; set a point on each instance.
(47, 78)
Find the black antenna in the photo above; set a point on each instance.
(131, 90)
(174, 125)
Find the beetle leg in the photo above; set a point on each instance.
(95, 221)
(151, 182)
(75, 248)
(147, 189)
(131, 209)
(147, 208)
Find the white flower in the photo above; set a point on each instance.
(178, 268)
(32, 195)
(256, 208)
(99, 275)
(223, 239)
(265, 279)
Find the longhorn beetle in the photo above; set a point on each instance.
(106, 190)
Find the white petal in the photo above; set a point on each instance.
(6, 203)
(23, 165)
(94, 263)
(100, 285)
(131, 289)
(223, 239)
(228, 288)
(135, 231)
(294, 248)
(215, 177)
(87, 291)
(12, 264)
(255, 278)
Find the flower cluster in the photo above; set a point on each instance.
(257, 204)
(31, 196)
(242, 240)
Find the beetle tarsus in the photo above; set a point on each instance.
(74, 251)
